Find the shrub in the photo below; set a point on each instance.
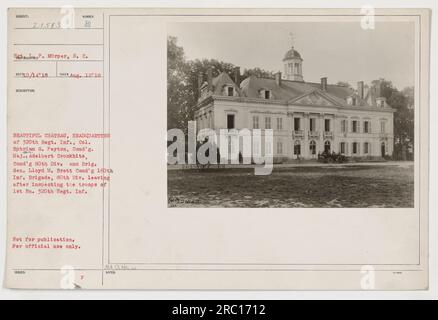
(327, 157)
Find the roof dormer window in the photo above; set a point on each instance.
(229, 91)
(380, 102)
(352, 101)
(265, 94)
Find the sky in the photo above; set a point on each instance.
(340, 51)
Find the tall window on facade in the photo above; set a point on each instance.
(297, 148)
(230, 121)
(255, 122)
(327, 146)
(296, 124)
(268, 148)
(366, 127)
(366, 148)
(327, 125)
(382, 126)
(312, 124)
(279, 147)
(355, 148)
(383, 149)
(343, 126)
(267, 123)
(354, 126)
(342, 147)
(279, 123)
(230, 91)
(312, 147)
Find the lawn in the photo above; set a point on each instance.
(357, 186)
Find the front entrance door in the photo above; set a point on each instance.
(382, 149)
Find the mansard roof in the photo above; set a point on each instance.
(222, 80)
(289, 91)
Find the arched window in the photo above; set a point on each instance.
(312, 147)
(229, 91)
(297, 148)
(383, 149)
(327, 146)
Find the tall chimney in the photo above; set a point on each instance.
(237, 76)
(378, 89)
(324, 84)
(360, 91)
(210, 79)
(278, 78)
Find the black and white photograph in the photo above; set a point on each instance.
(261, 151)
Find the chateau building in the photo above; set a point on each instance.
(307, 118)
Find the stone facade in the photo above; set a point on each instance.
(306, 118)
